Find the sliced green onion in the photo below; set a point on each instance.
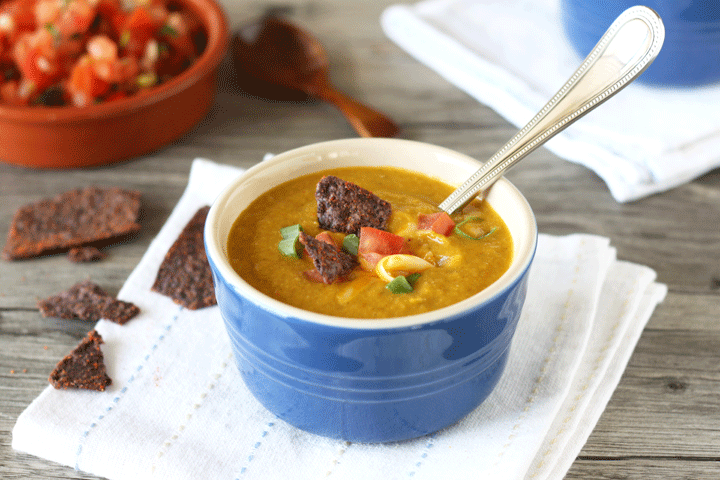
(289, 247)
(146, 80)
(290, 244)
(399, 284)
(463, 234)
(351, 243)
(413, 277)
(52, 29)
(291, 231)
(124, 38)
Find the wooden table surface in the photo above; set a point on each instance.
(663, 421)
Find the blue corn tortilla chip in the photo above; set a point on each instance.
(345, 207)
(92, 216)
(332, 263)
(185, 274)
(83, 368)
(87, 301)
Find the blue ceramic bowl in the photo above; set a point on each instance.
(689, 56)
(370, 380)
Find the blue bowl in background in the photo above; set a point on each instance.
(364, 380)
(690, 55)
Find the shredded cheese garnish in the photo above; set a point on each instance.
(391, 266)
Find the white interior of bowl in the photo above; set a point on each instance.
(447, 165)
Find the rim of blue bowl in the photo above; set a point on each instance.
(522, 260)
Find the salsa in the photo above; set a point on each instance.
(82, 52)
(420, 260)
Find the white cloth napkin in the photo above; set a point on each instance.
(513, 56)
(177, 408)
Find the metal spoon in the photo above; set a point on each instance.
(626, 49)
(280, 54)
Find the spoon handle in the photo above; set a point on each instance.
(626, 49)
(366, 121)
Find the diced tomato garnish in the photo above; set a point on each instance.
(177, 33)
(327, 238)
(368, 260)
(437, 222)
(158, 13)
(46, 11)
(84, 84)
(110, 11)
(45, 47)
(380, 241)
(76, 18)
(39, 69)
(9, 93)
(127, 70)
(139, 28)
(21, 15)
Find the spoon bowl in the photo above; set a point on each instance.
(288, 62)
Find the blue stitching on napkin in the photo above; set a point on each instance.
(423, 456)
(122, 391)
(188, 416)
(255, 448)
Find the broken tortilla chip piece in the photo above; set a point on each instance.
(345, 207)
(88, 216)
(331, 263)
(87, 301)
(185, 274)
(83, 368)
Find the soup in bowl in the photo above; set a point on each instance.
(398, 363)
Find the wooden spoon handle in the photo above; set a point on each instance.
(366, 121)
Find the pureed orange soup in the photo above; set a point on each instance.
(441, 260)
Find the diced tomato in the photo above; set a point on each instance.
(105, 69)
(158, 13)
(76, 18)
(177, 33)
(84, 84)
(368, 260)
(82, 51)
(39, 69)
(437, 222)
(36, 59)
(47, 11)
(127, 70)
(20, 15)
(327, 238)
(9, 93)
(110, 11)
(139, 28)
(380, 241)
(67, 54)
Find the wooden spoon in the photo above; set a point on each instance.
(290, 60)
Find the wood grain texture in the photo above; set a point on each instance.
(662, 421)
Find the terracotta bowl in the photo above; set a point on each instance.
(70, 137)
